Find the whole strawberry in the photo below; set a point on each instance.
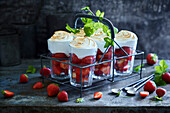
(152, 59)
(38, 85)
(160, 92)
(52, 89)
(23, 78)
(150, 86)
(166, 77)
(62, 96)
(46, 71)
(7, 93)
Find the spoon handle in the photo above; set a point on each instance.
(149, 78)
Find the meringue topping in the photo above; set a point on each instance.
(125, 35)
(61, 36)
(83, 42)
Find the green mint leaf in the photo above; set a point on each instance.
(72, 30)
(105, 28)
(85, 8)
(108, 33)
(31, 69)
(158, 68)
(101, 14)
(165, 66)
(106, 45)
(89, 13)
(115, 30)
(118, 94)
(98, 25)
(162, 63)
(112, 44)
(91, 25)
(86, 20)
(98, 13)
(137, 69)
(88, 31)
(158, 98)
(108, 40)
(158, 80)
(101, 18)
(79, 100)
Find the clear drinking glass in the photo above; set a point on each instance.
(128, 41)
(83, 52)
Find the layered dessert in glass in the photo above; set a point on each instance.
(58, 45)
(83, 52)
(128, 41)
(103, 70)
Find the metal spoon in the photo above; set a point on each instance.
(132, 87)
(133, 91)
(115, 91)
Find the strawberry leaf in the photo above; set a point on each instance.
(137, 69)
(3, 92)
(158, 98)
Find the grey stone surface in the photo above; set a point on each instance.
(28, 100)
(149, 19)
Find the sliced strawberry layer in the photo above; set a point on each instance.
(75, 59)
(105, 69)
(88, 59)
(59, 55)
(64, 66)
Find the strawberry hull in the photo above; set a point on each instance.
(103, 70)
(60, 70)
(86, 72)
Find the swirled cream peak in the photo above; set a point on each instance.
(99, 35)
(79, 34)
(125, 35)
(61, 36)
(83, 42)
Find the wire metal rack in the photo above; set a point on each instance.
(96, 83)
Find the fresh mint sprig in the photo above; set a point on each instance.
(158, 98)
(109, 42)
(31, 69)
(80, 100)
(160, 69)
(72, 30)
(137, 69)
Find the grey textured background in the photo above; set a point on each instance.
(37, 19)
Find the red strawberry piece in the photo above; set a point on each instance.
(98, 95)
(85, 71)
(64, 66)
(152, 59)
(166, 77)
(62, 96)
(38, 85)
(46, 71)
(59, 55)
(98, 72)
(121, 63)
(125, 68)
(150, 86)
(7, 93)
(52, 89)
(110, 49)
(144, 93)
(57, 70)
(105, 70)
(75, 59)
(88, 59)
(55, 62)
(160, 92)
(23, 78)
(107, 64)
(108, 55)
(99, 52)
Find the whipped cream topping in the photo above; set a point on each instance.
(98, 37)
(126, 38)
(80, 34)
(59, 42)
(83, 46)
